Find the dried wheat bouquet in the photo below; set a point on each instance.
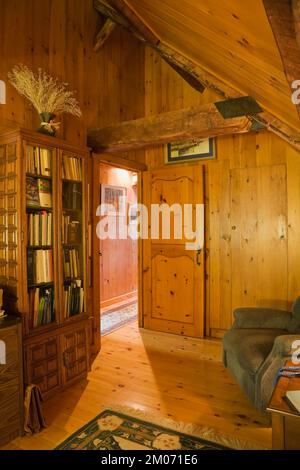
(46, 93)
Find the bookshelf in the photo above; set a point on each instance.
(72, 229)
(39, 167)
(43, 254)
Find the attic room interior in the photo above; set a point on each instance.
(149, 225)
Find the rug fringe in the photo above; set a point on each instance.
(203, 432)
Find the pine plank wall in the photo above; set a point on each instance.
(252, 189)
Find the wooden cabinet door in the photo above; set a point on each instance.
(42, 365)
(173, 277)
(75, 354)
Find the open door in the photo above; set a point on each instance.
(173, 277)
(95, 259)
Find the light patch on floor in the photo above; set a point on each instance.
(166, 375)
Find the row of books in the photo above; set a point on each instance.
(70, 230)
(41, 306)
(39, 266)
(73, 299)
(72, 195)
(38, 192)
(71, 168)
(71, 263)
(38, 161)
(39, 228)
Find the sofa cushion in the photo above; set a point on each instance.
(251, 346)
(256, 317)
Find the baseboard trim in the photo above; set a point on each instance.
(120, 300)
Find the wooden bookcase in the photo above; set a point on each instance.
(43, 254)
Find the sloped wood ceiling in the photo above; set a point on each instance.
(232, 39)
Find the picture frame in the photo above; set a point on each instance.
(111, 195)
(190, 149)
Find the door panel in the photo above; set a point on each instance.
(75, 353)
(173, 277)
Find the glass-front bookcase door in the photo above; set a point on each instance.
(41, 290)
(72, 236)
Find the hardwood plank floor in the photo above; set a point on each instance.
(163, 375)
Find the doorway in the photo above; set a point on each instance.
(118, 276)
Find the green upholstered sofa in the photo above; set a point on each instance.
(257, 345)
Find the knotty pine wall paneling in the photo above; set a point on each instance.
(58, 36)
(252, 208)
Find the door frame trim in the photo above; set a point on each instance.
(130, 165)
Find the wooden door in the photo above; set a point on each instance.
(173, 277)
(95, 258)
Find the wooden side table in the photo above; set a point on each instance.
(285, 421)
(11, 380)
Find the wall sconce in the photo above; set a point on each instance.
(2, 92)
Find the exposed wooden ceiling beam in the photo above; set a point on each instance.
(201, 121)
(136, 22)
(124, 16)
(104, 33)
(281, 15)
(202, 77)
(107, 9)
(265, 119)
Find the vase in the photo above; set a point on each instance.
(47, 126)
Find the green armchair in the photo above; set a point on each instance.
(257, 346)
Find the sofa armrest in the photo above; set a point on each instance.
(254, 317)
(285, 346)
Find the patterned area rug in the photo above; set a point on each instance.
(112, 430)
(115, 319)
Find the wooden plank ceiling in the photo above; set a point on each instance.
(232, 40)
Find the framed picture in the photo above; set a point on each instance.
(191, 149)
(115, 196)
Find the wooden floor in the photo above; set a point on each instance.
(165, 375)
